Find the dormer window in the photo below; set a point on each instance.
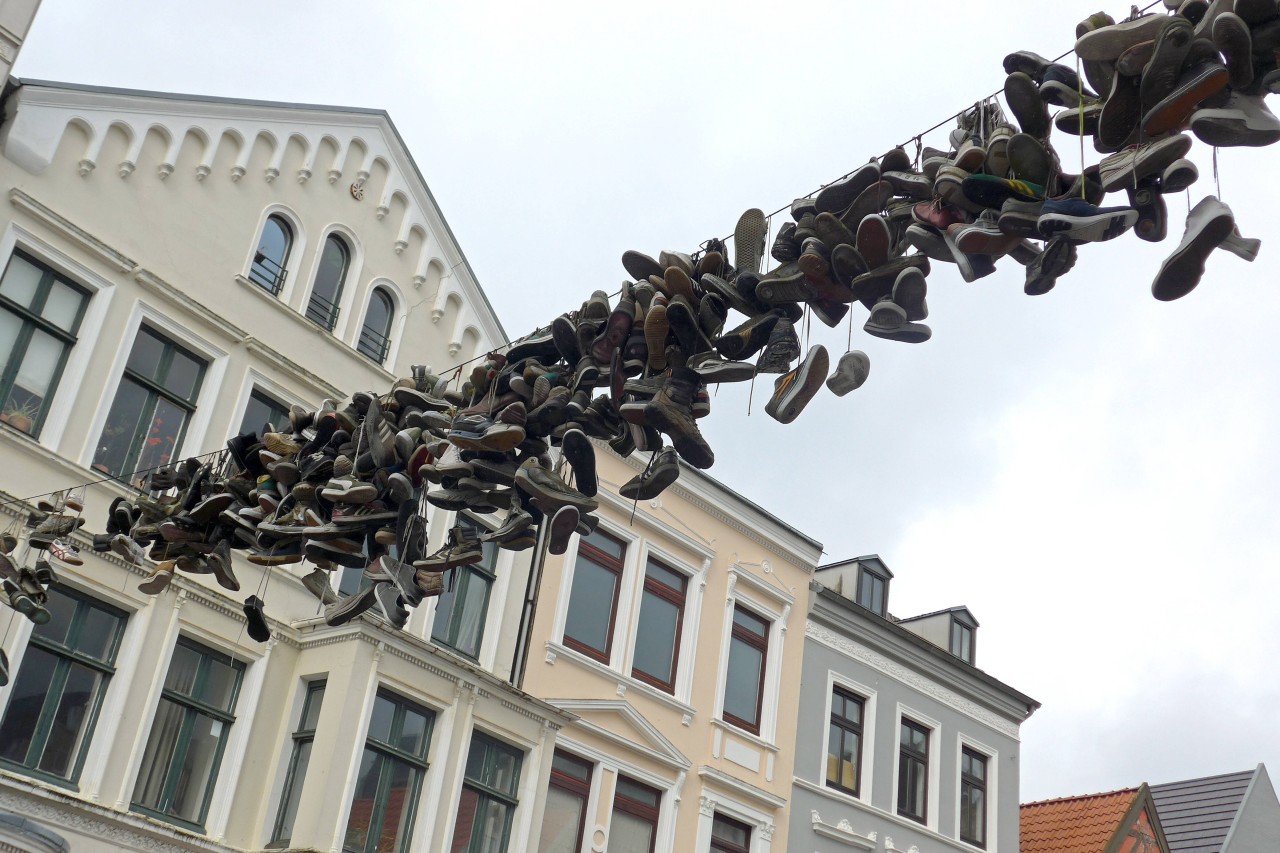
(873, 590)
(961, 639)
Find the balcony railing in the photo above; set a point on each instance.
(322, 312)
(373, 344)
(266, 273)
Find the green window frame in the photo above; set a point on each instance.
(389, 783)
(462, 608)
(57, 693)
(488, 802)
(189, 733)
(299, 762)
(41, 316)
(263, 409)
(160, 385)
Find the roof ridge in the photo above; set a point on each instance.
(1101, 794)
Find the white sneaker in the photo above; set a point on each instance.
(850, 373)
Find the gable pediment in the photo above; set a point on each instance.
(616, 721)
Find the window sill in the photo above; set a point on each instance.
(622, 683)
(867, 808)
(743, 734)
(320, 331)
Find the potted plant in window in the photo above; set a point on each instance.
(20, 416)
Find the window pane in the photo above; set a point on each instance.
(398, 818)
(743, 682)
(21, 280)
(275, 240)
(182, 670)
(35, 374)
(198, 772)
(609, 546)
(26, 700)
(158, 756)
(562, 822)
(656, 637)
(62, 611)
(642, 794)
(311, 714)
(848, 760)
(183, 378)
(262, 410)
(10, 325)
(144, 358)
(384, 711)
(630, 834)
(730, 831)
(361, 820)
(293, 790)
(571, 767)
(98, 633)
(591, 604)
(460, 612)
(330, 272)
(124, 422)
(62, 307)
(413, 733)
(665, 576)
(219, 688)
(490, 827)
(750, 622)
(162, 435)
(70, 719)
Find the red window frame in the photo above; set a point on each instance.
(673, 596)
(611, 564)
(642, 810)
(573, 785)
(723, 845)
(755, 641)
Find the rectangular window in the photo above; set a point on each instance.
(744, 680)
(844, 745)
(962, 641)
(871, 589)
(153, 404)
(461, 608)
(40, 314)
(913, 771)
(564, 821)
(262, 410)
(593, 598)
(658, 627)
(188, 736)
(488, 797)
(634, 824)
(390, 776)
(973, 797)
(729, 835)
(54, 700)
(303, 738)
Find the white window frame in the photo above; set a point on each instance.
(933, 772)
(992, 788)
(774, 606)
(297, 249)
(215, 372)
(761, 823)
(622, 627)
(866, 760)
(256, 380)
(350, 285)
(695, 586)
(399, 316)
(101, 291)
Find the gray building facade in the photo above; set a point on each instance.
(902, 745)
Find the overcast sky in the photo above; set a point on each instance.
(1092, 472)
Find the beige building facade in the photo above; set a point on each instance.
(675, 634)
(199, 265)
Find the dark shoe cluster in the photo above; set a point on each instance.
(48, 532)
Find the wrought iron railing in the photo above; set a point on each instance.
(267, 274)
(322, 312)
(373, 344)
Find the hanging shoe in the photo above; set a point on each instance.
(851, 371)
(651, 482)
(793, 390)
(1208, 225)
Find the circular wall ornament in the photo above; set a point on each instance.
(357, 190)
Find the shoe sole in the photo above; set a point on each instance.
(582, 457)
(639, 265)
(907, 333)
(1147, 162)
(839, 195)
(1111, 41)
(1178, 107)
(1182, 271)
(655, 336)
(1024, 102)
(796, 389)
(658, 480)
(787, 288)
(1054, 262)
(1087, 229)
(748, 240)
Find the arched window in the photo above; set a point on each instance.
(330, 274)
(268, 268)
(375, 336)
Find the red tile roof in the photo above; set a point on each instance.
(1073, 824)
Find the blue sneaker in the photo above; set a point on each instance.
(1082, 222)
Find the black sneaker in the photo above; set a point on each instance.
(793, 391)
(655, 479)
(582, 456)
(255, 620)
(783, 348)
(748, 339)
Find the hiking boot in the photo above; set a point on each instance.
(543, 485)
(317, 583)
(1209, 224)
(160, 578)
(786, 247)
(851, 371)
(462, 549)
(219, 561)
(670, 411)
(793, 391)
(748, 339)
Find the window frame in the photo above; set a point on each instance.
(378, 343)
(867, 578)
(615, 566)
(906, 755)
(258, 393)
(964, 627)
(637, 809)
(155, 392)
(575, 787)
(969, 781)
(740, 634)
(419, 765)
(67, 656)
(281, 274)
(320, 309)
(678, 598)
(463, 579)
(847, 727)
(31, 322)
(486, 793)
(301, 736)
(192, 708)
(719, 845)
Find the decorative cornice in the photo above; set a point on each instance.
(159, 286)
(743, 789)
(911, 678)
(842, 832)
(76, 234)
